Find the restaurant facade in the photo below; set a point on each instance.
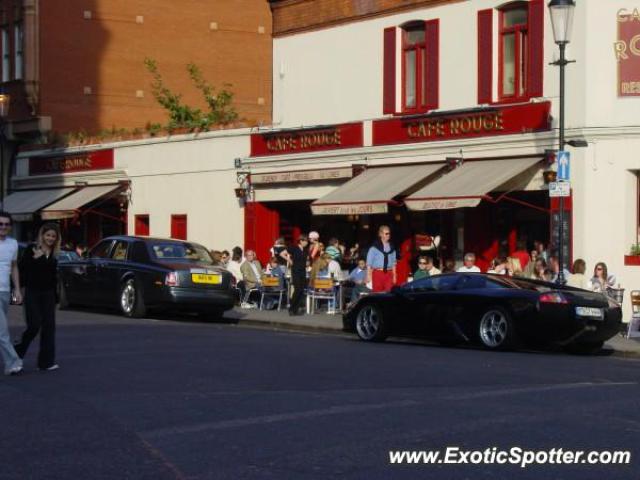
(437, 118)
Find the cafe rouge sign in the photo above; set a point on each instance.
(347, 135)
(79, 162)
(498, 120)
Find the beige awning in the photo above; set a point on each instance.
(373, 190)
(468, 184)
(24, 203)
(69, 206)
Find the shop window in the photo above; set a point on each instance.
(520, 52)
(141, 226)
(6, 56)
(419, 60)
(179, 227)
(18, 61)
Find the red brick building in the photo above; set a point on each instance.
(77, 65)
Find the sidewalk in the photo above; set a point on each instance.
(332, 323)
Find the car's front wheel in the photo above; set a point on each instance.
(496, 329)
(132, 300)
(370, 323)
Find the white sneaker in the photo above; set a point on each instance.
(14, 371)
(55, 366)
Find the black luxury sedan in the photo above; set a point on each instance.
(496, 311)
(140, 273)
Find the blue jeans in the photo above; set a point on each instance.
(9, 355)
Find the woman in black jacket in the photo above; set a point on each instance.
(38, 267)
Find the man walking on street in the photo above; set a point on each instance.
(381, 262)
(296, 258)
(8, 268)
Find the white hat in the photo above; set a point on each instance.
(314, 235)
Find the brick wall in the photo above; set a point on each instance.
(291, 16)
(91, 52)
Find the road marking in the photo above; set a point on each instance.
(544, 388)
(281, 417)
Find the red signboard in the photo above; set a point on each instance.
(499, 120)
(347, 135)
(79, 162)
(627, 50)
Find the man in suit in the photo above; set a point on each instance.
(251, 270)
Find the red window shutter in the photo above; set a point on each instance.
(536, 48)
(179, 227)
(142, 225)
(432, 52)
(389, 71)
(485, 56)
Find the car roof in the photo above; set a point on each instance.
(144, 238)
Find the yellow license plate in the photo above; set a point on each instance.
(205, 278)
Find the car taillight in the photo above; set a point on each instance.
(171, 280)
(553, 297)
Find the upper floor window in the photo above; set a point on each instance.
(6, 56)
(18, 39)
(520, 46)
(514, 52)
(414, 66)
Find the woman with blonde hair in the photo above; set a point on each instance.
(514, 267)
(38, 267)
(319, 268)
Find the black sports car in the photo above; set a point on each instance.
(139, 273)
(498, 312)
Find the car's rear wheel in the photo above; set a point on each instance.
(132, 300)
(587, 348)
(370, 323)
(496, 329)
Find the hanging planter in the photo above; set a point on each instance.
(633, 259)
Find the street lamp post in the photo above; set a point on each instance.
(5, 99)
(562, 21)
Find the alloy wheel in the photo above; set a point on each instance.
(128, 297)
(494, 328)
(367, 322)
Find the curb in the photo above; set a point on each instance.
(298, 327)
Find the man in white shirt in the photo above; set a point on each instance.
(8, 268)
(469, 264)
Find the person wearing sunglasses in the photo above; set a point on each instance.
(423, 269)
(8, 269)
(381, 262)
(601, 280)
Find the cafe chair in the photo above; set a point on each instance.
(271, 287)
(321, 289)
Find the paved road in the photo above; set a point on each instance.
(163, 399)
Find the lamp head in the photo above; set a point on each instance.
(562, 19)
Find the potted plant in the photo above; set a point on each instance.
(634, 255)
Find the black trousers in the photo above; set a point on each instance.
(298, 283)
(40, 315)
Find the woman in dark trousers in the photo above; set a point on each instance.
(38, 266)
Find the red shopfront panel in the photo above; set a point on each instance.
(261, 228)
(567, 230)
(179, 227)
(142, 225)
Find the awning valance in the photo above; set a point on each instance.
(69, 206)
(372, 191)
(468, 184)
(24, 203)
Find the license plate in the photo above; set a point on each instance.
(205, 278)
(590, 312)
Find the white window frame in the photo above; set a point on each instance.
(18, 52)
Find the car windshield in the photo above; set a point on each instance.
(523, 283)
(189, 252)
(434, 283)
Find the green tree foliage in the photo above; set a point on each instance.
(219, 104)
